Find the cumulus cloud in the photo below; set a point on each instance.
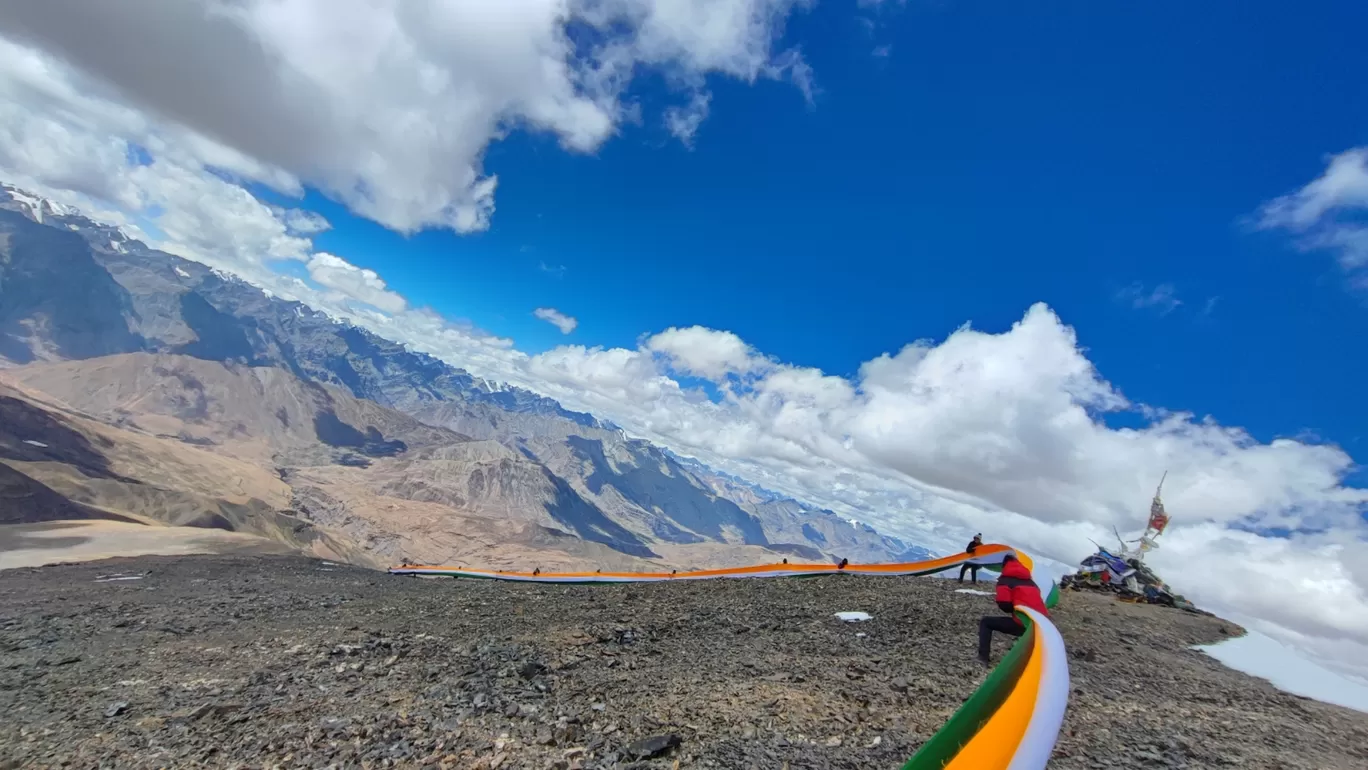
(355, 282)
(388, 106)
(704, 352)
(1329, 213)
(556, 318)
(63, 135)
(1003, 433)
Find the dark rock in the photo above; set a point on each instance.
(333, 725)
(115, 709)
(654, 746)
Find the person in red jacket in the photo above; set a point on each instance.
(1014, 589)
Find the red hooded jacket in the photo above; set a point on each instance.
(1016, 589)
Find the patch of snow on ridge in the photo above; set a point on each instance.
(1288, 670)
(854, 617)
(32, 203)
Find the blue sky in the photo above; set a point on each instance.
(999, 155)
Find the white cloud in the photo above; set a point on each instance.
(683, 122)
(556, 318)
(704, 352)
(301, 222)
(388, 106)
(1003, 433)
(1343, 185)
(1162, 298)
(1288, 668)
(1330, 212)
(358, 283)
(64, 136)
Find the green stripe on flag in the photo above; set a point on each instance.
(965, 723)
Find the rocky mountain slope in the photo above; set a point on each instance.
(125, 333)
(271, 661)
(177, 441)
(56, 465)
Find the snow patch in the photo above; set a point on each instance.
(180, 272)
(31, 442)
(973, 591)
(31, 202)
(853, 617)
(60, 209)
(1288, 670)
(38, 206)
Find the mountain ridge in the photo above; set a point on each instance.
(140, 301)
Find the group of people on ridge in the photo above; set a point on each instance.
(1014, 589)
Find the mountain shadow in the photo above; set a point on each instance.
(587, 521)
(333, 432)
(30, 434)
(24, 500)
(671, 495)
(51, 287)
(220, 336)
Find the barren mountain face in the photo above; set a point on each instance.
(207, 403)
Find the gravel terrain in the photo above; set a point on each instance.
(282, 661)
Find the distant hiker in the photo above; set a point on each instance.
(536, 572)
(786, 560)
(972, 568)
(1014, 589)
(843, 564)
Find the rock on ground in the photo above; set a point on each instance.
(275, 661)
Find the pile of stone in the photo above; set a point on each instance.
(1127, 577)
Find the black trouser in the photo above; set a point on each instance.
(1000, 623)
(966, 568)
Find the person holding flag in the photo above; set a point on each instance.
(1014, 589)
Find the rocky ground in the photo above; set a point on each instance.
(278, 661)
